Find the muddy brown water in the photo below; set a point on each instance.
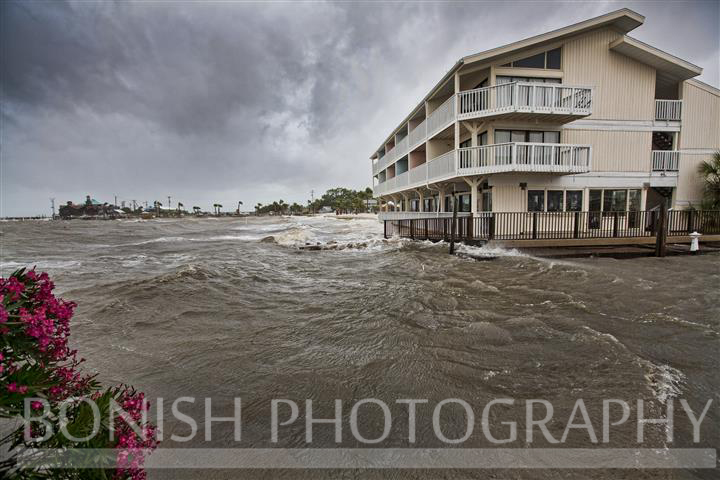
(206, 308)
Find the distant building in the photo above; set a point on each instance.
(89, 208)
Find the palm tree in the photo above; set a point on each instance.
(196, 209)
(710, 172)
(179, 206)
(238, 209)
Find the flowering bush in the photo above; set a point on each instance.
(38, 368)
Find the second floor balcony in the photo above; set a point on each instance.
(499, 158)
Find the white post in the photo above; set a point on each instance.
(694, 242)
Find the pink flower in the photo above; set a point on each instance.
(12, 387)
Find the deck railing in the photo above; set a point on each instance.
(441, 117)
(665, 160)
(551, 225)
(417, 135)
(523, 156)
(525, 97)
(670, 110)
(501, 157)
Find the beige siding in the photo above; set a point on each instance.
(700, 117)
(624, 88)
(614, 151)
(690, 184)
(700, 130)
(508, 198)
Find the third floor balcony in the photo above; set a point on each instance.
(527, 100)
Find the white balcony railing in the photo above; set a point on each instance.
(502, 157)
(443, 166)
(417, 135)
(524, 157)
(524, 97)
(668, 110)
(665, 161)
(401, 149)
(528, 97)
(418, 175)
(441, 116)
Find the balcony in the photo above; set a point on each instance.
(525, 100)
(665, 161)
(517, 101)
(668, 110)
(500, 158)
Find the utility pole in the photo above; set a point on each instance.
(52, 205)
(169, 201)
(312, 201)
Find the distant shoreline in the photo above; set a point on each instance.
(344, 216)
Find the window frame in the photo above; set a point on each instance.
(554, 193)
(545, 63)
(542, 200)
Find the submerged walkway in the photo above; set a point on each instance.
(617, 251)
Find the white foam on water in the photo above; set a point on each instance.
(41, 265)
(488, 252)
(155, 240)
(665, 381)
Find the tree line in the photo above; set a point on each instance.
(342, 200)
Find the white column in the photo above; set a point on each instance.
(474, 183)
(406, 204)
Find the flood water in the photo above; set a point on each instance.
(226, 308)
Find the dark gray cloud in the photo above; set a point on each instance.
(225, 101)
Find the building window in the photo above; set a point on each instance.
(464, 203)
(505, 136)
(555, 200)
(502, 136)
(634, 197)
(536, 200)
(536, 61)
(483, 138)
(550, 60)
(614, 200)
(502, 79)
(466, 143)
(487, 201)
(553, 59)
(573, 200)
(595, 207)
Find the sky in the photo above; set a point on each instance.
(221, 102)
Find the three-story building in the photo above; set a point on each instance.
(584, 118)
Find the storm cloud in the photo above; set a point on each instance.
(220, 102)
